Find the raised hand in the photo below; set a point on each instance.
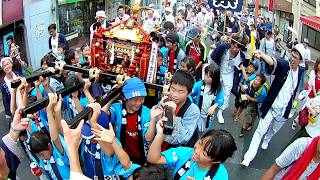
(105, 135)
(257, 54)
(19, 123)
(96, 107)
(160, 125)
(53, 98)
(72, 136)
(156, 111)
(57, 106)
(87, 84)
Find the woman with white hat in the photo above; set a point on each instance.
(101, 21)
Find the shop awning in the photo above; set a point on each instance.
(282, 5)
(313, 21)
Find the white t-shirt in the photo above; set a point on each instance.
(149, 24)
(291, 154)
(227, 65)
(124, 18)
(54, 43)
(170, 18)
(286, 92)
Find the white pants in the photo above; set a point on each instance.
(227, 83)
(267, 126)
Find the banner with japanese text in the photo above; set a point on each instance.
(229, 5)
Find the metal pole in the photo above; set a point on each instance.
(257, 12)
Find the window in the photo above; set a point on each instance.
(311, 2)
(312, 35)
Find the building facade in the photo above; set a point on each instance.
(307, 21)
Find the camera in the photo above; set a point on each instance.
(168, 113)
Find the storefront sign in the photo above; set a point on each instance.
(12, 10)
(230, 5)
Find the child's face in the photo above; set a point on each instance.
(257, 82)
(134, 104)
(76, 59)
(200, 155)
(44, 66)
(169, 45)
(86, 51)
(60, 50)
(207, 78)
(183, 66)
(46, 155)
(178, 93)
(251, 69)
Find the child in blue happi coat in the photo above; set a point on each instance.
(98, 155)
(247, 75)
(207, 94)
(52, 151)
(204, 161)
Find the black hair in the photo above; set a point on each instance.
(262, 77)
(220, 144)
(39, 142)
(121, 7)
(183, 78)
(213, 71)
(52, 26)
(10, 37)
(69, 55)
(295, 50)
(168, 25)
(45, 59)
(191, 64)
(72, 81)
(161, 39)
(150, 172)
(160, 53)
(83, 46)
(61, 45)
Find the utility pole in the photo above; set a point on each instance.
(257, 13)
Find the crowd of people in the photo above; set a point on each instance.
(128, 137)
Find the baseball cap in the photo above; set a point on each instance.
(301, 50)
(305, 40)
(134, 87)
(103, 121)
(172, 37)
(193, 33)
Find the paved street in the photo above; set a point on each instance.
(262, 161)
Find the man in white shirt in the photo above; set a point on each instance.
(202, 17)
(150, 21)
(101, 21)
(168, 15)
(156, 12)
(276, 107)
(122, 16)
